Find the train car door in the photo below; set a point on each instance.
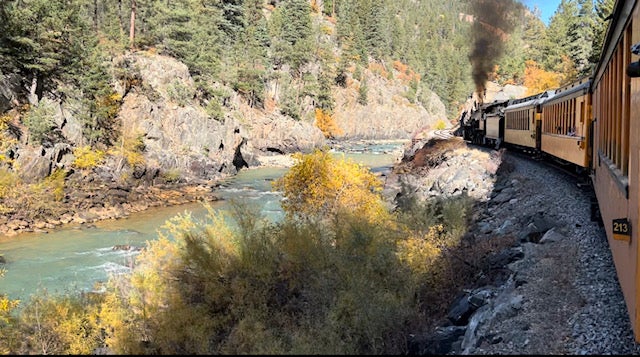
(538, 117)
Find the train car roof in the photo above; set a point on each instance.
(619, 17)
(495, 103)
(583, 86)
(530, 100)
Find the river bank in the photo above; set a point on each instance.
(89, 199)
(73, 256)
(90, 202)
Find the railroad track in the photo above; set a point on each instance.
(443, 134)
(581, 179)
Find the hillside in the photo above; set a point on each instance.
(152, 117)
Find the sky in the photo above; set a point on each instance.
(547, 7)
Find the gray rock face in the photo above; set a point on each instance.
(9, 91)
(180, 136)
(388, 114)
(34, 164)
(460, 171)
(283, 135)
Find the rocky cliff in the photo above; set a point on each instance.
(179, 141)
(180, 137)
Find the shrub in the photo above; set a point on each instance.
(8, 180)
(86, 157)
(8, 334)
(363, 93)
(130, 148)
(248, 286)
(39, 120)
(320, 186)
(180, 93)
(6, 141)
(54, 184)
(171, 175)
(58, 325)
(338, 275)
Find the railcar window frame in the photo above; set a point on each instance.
(518, 119)
(611, 104)
(612, 107)
(560, 117)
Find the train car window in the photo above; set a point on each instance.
(611, 103)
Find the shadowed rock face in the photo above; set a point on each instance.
(179, 135)
(493, 21)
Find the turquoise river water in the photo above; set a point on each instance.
(74, 258)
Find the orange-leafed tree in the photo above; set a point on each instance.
(536, 79)
(326, 123)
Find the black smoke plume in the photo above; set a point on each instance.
(493, 21)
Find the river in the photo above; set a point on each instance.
(76, 257)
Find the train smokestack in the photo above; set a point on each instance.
(493, 21)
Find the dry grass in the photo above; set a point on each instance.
(433, 153)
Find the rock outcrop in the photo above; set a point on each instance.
(180, 135)
(388, 113)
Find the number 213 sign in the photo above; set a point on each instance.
(622, 229)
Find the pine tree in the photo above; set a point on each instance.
(581, 38)
(42, 40)
(511, 64)
(558, 43)
(603, 9)
(296, 31)
(535, 37)
(188, 30)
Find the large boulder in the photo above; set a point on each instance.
(33, 163)
(280, 134)
(180, 138)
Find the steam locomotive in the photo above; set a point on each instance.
(592, 124)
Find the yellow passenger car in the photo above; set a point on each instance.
(566, 123)
(523, 121)
(616, 149)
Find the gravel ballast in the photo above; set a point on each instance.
(563, 295)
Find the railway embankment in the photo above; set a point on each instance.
(553, 289)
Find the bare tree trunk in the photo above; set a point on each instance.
(95, 15)
(33, 95)
(120, 16)
(132, 27)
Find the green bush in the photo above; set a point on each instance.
(180, 93)
(172, 175)
(39, 120)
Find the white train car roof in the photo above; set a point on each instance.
(530, 101)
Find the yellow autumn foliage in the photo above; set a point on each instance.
(419, 251)
(130, 148)
(7, 324)
(538, 80)
(320, 186)
(86, 157)
(6, 140)
(327, 124)
(59, 325)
